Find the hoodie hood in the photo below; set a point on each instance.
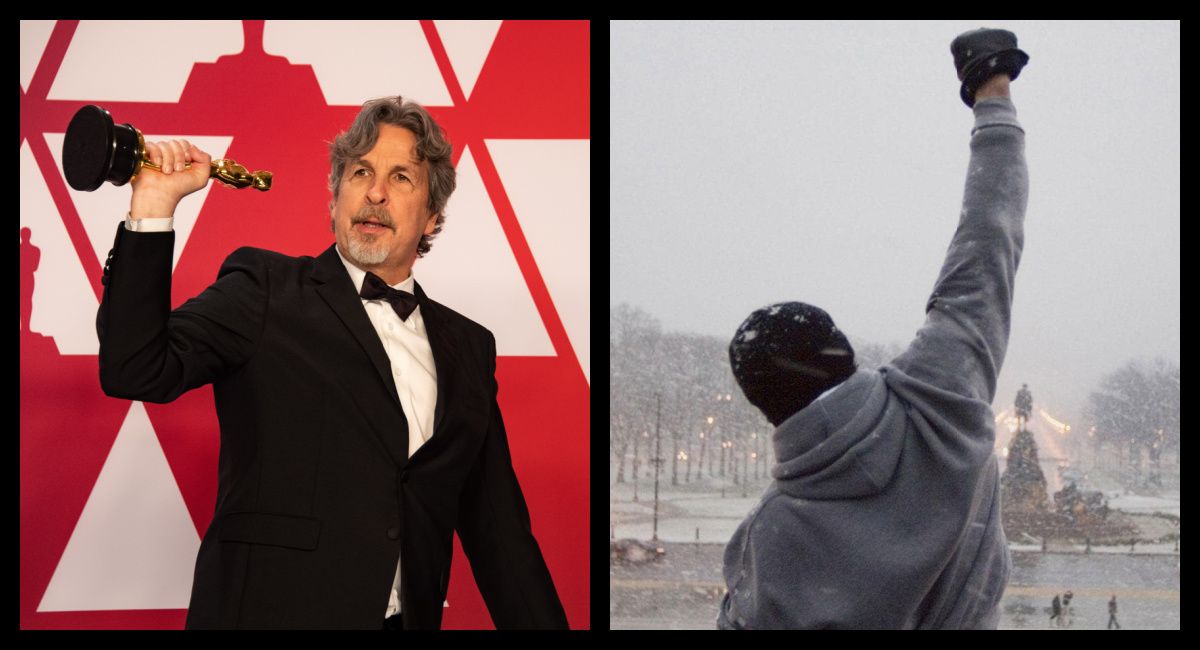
(844, 445)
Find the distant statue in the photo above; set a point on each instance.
(1023, 484)
(30, 255)
(1083, 508)
(1024, 405)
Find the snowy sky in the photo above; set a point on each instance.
(824, 162)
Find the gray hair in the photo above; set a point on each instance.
(432, 147)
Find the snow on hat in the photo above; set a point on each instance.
(785, 355)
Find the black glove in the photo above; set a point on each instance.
(983, 53)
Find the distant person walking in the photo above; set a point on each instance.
(1055, 611)
(1068, 613)
(1112, 613)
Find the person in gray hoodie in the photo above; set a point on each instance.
(884, 511)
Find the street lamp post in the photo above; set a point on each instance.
(658, 461)
(754, 454)
(733, 462)
(720, 398)
(724, 447)
(635, 465)
(745, 471)
(687, 472)
(675, 458)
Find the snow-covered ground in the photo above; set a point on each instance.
(1123, 549)
(681, 514)
(686, 516)
(683, 590)
(1167, 504)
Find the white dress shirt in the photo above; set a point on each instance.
(407, 346)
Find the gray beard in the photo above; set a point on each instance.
(364, 254)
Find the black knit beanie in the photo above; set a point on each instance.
(785, 355)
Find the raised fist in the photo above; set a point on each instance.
(983, 53)
(185, 169)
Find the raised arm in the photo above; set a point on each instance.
(147, 351)
(962, 344)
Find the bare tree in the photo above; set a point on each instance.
(1136, 409)
(633, 334)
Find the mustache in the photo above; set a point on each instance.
(377, 214)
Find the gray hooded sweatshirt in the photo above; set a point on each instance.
(885, 508)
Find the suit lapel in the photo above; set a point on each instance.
(437, 328)
(336, 289)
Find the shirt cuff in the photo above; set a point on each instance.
(149, 225)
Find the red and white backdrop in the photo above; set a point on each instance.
(116, 494)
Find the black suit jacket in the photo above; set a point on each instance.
(316, 493)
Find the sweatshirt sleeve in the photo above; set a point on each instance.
(961, 346)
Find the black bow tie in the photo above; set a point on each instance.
(374, 288)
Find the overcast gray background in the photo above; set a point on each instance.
(824, 162)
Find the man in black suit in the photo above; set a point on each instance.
(359, 422)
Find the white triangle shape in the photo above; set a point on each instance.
(64, 305)
(471, 269)
(358, 60)
(547, 182)
(101, 210)
(35, 34)
(467, 44)
(87, 72)
(135, 545)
